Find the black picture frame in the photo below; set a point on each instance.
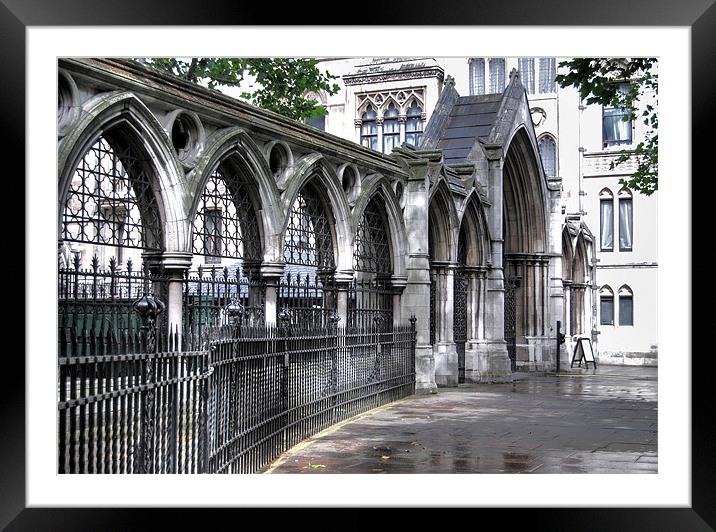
(17, 15)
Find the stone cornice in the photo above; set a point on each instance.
(394, 75)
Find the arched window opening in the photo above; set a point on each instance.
(414, 124)
(477, 76)
(606, 220)
(626, 221)
(306, 293)
(110, 218)
(626, 306)
(226, 233)
(606, 306)
(391, 129)
(548, 154)
(369, 129)
(371, 298)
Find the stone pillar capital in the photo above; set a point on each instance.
(169, 261)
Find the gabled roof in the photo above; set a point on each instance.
(458, 122)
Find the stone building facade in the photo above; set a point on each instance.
(598, 279)
(463, 230)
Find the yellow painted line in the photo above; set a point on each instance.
(330, 430)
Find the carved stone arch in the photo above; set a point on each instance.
(525, 197)
(443, 223)
(379, 185)
(386, 103)
(314, 168)
(235, 148)
(580, 262)
(124, 117)
(474, 222)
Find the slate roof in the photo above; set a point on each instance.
(470, 118)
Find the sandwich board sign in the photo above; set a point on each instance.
(583, 352)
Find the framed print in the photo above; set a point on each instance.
(75, 56)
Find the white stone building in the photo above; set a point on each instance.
(609, 240)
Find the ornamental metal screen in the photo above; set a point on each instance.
(110, 199)
(510, 327)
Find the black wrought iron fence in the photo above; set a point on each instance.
(310, 302)
(208, 293)
(370, 302)
(227, 401)
(95, 305)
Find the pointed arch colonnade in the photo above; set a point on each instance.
(429, 240)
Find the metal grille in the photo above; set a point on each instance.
(372, 245)
(370, 303)
(460, 286)
(306, 301)
(309, 239)
(208, 294)
(225, 224)
(97, 302)
(511, 285)
(433, 308)
(110, 200)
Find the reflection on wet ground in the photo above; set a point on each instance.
(595, 421)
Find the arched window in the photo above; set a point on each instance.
(606, 306)
(626, 224)
(477, 76)
(615, 129)
(110, 201)
(497, 75)
(526, 66)
(371, 298)
(626, 306)
(547, 74)
(391, 129)
(369, 129)
(414, 124)
(308, 240)
(548, 154)
(226, 224)
(606, 220)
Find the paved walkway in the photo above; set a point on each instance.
(592, 421)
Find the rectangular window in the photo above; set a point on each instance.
(477, 76)
(626, 310)
(369, 135)
(606, 310)
(547, 73)
(212, 235)
(606, 214)
(391, 135)
(497, 75)
(625, 224)
(527, 73)
(616, 128)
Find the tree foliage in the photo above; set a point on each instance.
(283, 83)
(598, 80)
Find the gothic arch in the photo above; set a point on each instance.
(378, 185)
(314, 168)
(474, 222)
(235, 148)
(122, 117)
(443, 223)
(525, 196)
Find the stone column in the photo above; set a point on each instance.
(415, 299)
(446, 364)
(271, 272)
(379, 130)
(401, 125)
(492, 363)
(172, 266)
(358, 124)
(342, 282)
(398, 284)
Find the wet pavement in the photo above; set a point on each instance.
(590, 421)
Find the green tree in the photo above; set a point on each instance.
(598, 81)
(283, 82)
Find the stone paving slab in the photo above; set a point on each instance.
(593, 421)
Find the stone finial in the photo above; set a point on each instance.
(514, 73)
(449, 81)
